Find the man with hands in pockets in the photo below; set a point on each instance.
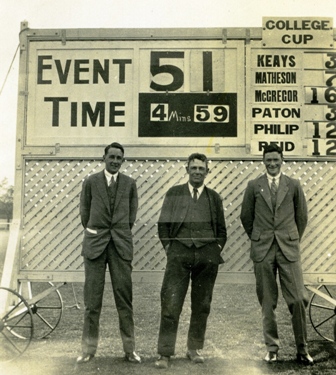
(193, 233)
(274, 216)
(108, 207)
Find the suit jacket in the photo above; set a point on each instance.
(174, 210)
(95, 212)
(287, 224)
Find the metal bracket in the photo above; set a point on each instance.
(224, 36)
(248, 36)
(57, 148)
(24, 26)
(63, 36)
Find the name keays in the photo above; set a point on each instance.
(270, 61)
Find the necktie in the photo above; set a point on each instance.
(195, 194)
(111, 181)
(274, 187)
(274, 190)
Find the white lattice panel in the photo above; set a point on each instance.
(52, 233)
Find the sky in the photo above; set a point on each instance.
(48, 14)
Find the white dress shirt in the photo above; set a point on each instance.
(270, 179)
(199, 190)
(108, 176)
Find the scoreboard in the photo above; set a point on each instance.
(156, 93)
(227, 94)
(292, 91)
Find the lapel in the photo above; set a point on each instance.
(212, 205)
(121, 185)
(265, 191)
(102, 188)
(282, 190)
(185, 201)
(211, 201)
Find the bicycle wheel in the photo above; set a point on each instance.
(322, 312)
(15, 314)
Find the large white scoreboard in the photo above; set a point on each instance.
(139, 92)
(225, 92)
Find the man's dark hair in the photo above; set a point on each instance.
(273, 148)
(114, 145)
(198, 156)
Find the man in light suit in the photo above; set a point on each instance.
(108, 207)
(193, 233)
(274, 216)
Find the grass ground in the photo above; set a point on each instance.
(234, 344)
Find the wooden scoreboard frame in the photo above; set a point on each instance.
(165, 93)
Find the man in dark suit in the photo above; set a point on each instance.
(108, 207)
(274, 216)
(193, 233)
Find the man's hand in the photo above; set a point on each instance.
(166, 248)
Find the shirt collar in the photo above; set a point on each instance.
(199, 189)
(108, 176)
(270, 178)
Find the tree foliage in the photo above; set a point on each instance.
(6, 199)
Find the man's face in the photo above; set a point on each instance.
(197, 171)
(113, 160)
(273, 162)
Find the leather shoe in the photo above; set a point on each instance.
(304, 359)
(195, 356)
(162, 362)
(84, 358)
(271, 357)
(132, 357)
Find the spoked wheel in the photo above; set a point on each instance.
(15, 315)
(322, 311)
(46, 305)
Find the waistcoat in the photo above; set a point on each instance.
(197, 229)
(112, 192)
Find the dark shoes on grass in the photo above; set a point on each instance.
(130, 357)
(271, 357)
(162, 362)
(195, 356)
(84, 358)
(302, 359)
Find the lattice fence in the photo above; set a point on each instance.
(52, 233)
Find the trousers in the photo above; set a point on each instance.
(294, 293)
(121, 278)
(184, 264)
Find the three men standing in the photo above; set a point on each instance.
(108, 207)
(193, 233)
(274, 216)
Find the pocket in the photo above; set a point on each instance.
(294, 235)
(255, 235)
